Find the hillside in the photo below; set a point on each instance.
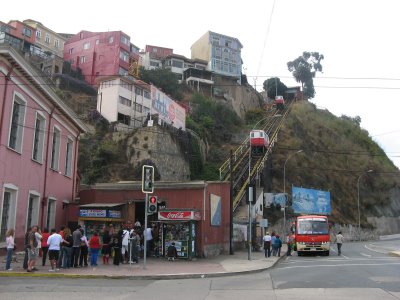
(336, 151)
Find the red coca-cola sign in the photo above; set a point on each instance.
(178, 215)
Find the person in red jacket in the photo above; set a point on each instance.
(45, 246)
(94, 244)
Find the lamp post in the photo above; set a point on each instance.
(358, 202)
(284, 189)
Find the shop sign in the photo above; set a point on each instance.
(93, 213)
(116, 214)
(179, 215)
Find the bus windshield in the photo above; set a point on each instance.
(312, 226)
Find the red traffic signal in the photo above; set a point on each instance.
(152, 204)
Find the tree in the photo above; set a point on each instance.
(273, 87)
(304, 69)
(163, 79)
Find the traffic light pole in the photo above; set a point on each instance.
(146, 204)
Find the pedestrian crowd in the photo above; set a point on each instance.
(65, 249)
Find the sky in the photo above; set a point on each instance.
(358, 38)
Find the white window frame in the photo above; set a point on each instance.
(69, 156)
(35, 197)
(56, 43)
(51, 213)
(13, 190)
(20, 123)
(38, 34)
(82, 59)
(39, 141)
(86, 46)
(47, 38)
(55, 149)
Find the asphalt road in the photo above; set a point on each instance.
(364, 271)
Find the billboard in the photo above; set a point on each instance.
(167, 109)
(275, 198)
(309, 201)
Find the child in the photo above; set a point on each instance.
(10, 248)
(171, 252)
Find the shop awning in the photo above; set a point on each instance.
(101, 205)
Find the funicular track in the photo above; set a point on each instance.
(246, 167)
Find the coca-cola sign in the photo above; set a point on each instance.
(177, 215)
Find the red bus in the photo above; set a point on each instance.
(312, 235)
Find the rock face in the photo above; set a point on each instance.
(386, 219)
(165, 153)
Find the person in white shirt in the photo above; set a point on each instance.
(126, 234)
(10, 248)
(339, 242)
(267, 244)
(54, 242)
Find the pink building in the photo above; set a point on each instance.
(39, 139)
(100, 54)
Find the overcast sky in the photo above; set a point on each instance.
(359, 39)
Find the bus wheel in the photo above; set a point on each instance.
(299, 253)
(327, 253)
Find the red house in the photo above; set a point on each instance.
(100, 54)
(195, 215)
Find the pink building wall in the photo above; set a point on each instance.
(103, 56)
(17, 168)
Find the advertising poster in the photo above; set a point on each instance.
(309, 201)
(215, 205)
(167, 109)
(275, 198)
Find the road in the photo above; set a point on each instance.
(364, 271)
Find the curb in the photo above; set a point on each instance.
(139, 277)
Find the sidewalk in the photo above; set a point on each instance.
(159, 268)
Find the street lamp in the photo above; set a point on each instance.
(358, 202)
(284, 181)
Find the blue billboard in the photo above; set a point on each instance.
(308, 201)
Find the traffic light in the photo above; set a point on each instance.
(152, 205)
(148, 179)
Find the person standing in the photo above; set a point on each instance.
(126, 233)
(60, 258)
(38, 235)
(10, 248)
(76, 246)
(149, 240)
(26, 248)
(278, 242)
(66, 244)
(339, 242)
(33, 250)
(54, 242)
(289, 242)
(84, 250)
(106, 249)
(274, 244)
(267, 244)
(94, 244)
(45, 246)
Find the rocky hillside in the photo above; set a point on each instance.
(336, 151)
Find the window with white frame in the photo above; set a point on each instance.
(146, 94)
(82, 59)
(55, 149)
(47, 38)
(86, 46)
(8, 211)
(111, 40)
(38, 34)
(56, 43)
(51, 214)
(32, 215)
(38, 138)
(68, 157)
(97, 41)
(71, 50)
(17, 124)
